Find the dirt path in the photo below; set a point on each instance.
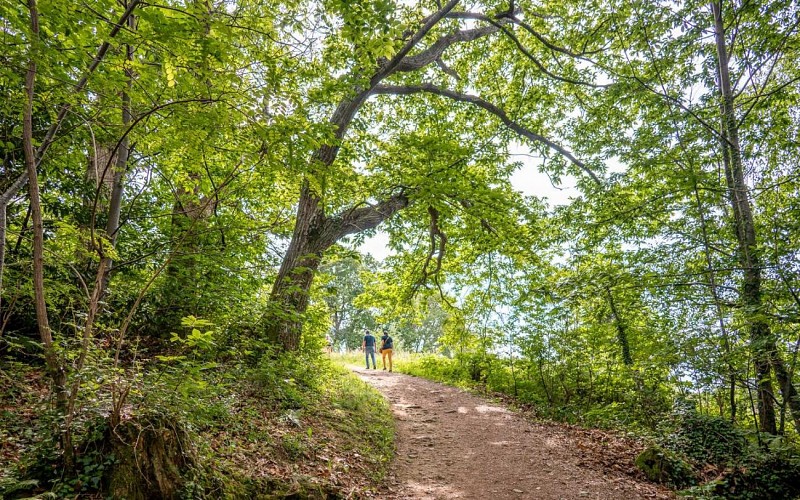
(451, 444)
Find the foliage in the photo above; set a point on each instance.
(298, 407)
(765, 474)
(342, 280)
(705, 439)
(246, 147)
(665, 467)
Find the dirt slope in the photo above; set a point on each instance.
(451, 444)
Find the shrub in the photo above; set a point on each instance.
(767, 475)
(289, 378)
(706, 439)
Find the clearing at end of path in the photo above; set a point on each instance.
(452, 444)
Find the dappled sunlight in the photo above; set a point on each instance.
(490, 409)
(424, 491)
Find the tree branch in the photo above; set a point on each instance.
(396, 61)
(435, 51)
(49, 136)
(547, 43)
(356, 220)
(401, 62)
(498, 112)
(541, 67)
(438, 243)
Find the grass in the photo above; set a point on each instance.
(402, 361)
(299, 426)
(338, 435)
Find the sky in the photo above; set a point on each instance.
(527, 179)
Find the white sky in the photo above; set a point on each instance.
(527, 179)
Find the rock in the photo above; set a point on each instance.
(665, 467)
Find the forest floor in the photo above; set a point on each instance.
(453, 444)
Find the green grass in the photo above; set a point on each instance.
(400, 359)
(320, 427)
(293, 425)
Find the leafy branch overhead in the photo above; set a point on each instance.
(590, 205)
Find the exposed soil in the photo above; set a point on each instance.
(452, 444)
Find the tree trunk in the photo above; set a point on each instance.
(762, 341)
(622, 332)
(788, 390)
(313, 234)
(2, 251)
(123, 152)
(55, 367)
(121, 166)
(290, 293)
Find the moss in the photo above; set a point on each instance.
(151, 455)
(665, 467)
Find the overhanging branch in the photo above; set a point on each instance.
(498, 112)
(355, 220)
(435, 51)
(346, 110)
(398, 59)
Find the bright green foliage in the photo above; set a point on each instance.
(603, 309)
(342, 282)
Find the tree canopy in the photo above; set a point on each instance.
(223, 159)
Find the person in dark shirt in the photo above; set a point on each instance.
(386, 348)
(368, 346)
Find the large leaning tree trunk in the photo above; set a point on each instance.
(314, 230)
(313, 234)
(763, 345)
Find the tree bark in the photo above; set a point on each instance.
(788, 390)
(54, 365)
(2, 252)
(313, 234)
(118, 185)
(290, 290)
(622, 331)
(762, 341)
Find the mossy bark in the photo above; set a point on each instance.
(151, 456)
(664, 467)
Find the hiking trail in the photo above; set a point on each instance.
(452, 444)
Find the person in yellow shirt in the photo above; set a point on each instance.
(387, 344)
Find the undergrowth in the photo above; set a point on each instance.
(692, 448)
(290, 425)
